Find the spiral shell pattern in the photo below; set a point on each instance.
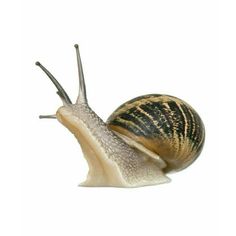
(164, 124)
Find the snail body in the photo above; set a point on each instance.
(142, 140)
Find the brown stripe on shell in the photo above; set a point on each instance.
(153, 120)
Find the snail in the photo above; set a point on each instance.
(143, 139)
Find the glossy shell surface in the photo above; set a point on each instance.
(164, 124)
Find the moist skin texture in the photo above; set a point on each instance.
(111, 161)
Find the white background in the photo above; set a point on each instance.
(128, 48)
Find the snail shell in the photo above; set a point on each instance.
(162, 124)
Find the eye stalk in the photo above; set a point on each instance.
(61, 92)
(82, 98)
